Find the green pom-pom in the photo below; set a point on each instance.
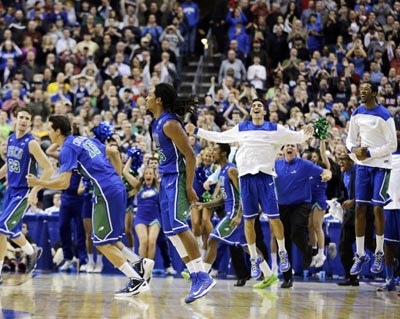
(206, 196)
(321, 127)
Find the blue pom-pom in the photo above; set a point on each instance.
(103, 131)
(137, 157)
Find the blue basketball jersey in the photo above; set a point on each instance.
(171, 160)
(19, 161)
(88, 157)
(229, 192)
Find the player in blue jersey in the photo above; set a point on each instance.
(230, 230)
(100, 164)
(259, 142)
(371, 141)
(392, 222)
(23, 154)
(176, 168)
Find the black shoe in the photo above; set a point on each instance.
(241, 282)
(287, 284)
(349, 282)
(307, 258)
(134, 287)
(32, 259)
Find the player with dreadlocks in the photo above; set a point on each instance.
(177, 167)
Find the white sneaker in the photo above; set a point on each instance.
(90, 268)
(83, 267)
(98, 268)
(313, 261)
(320, 261)
(145, 268)
(66, 265)
(170, 271)
(214, 273)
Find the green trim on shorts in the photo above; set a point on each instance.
(225, 229)
(101, 222)
(183, 209)
(17, 214)
(385, 187)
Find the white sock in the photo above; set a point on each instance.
(265, 269)
(1, 266)
(379, 244)
(99, 260)
(199, 240)
(90, 258)
(360, 246)
(180, 248)
(198, 264)
(27, 248)
(203, 253)
(321, 252)
(253, 250)
(281, 244)
(274, 260)
(190, 267)
(128, 271)
(130, 255)
(207, 267)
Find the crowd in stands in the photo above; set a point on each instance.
(96, 60)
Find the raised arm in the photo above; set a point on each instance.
(115, 158)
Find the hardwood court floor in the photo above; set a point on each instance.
(91, 296)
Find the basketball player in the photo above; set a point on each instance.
(23, 151)
(371, 141)
(176, 168)
(100, 164)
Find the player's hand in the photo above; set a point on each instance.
(32, 180)
(326, 175)
(361, 153)
(348, 203)
(308, 130)
(207, 185)
(190, 128)
(235, 221)
(192, 196)
(32, 199)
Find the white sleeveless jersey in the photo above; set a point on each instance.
(394, 183)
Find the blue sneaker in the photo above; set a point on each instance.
(284, 264)
(255, 267)
(377, 265)
(390, 285)
(202, 283)
(358, 263)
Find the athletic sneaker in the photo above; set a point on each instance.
(144, 268)
(284, 264)
(32, 259)
(170, 271)
(269, 281)
(358, 263)
(313, 261)
(98, 268)
(377, 265)
(135, 286)
(186, 275)
(390, 285)
(255, 267)
(202, 283)
(90, 268)
(320, 261)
